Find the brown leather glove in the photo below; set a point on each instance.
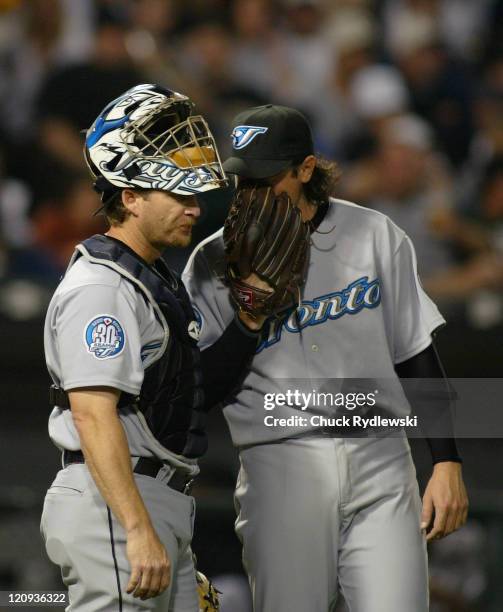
(264, 235)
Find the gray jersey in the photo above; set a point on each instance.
(101, 331)
(363, 311)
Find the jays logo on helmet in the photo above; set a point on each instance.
(242, 135)
(149, 138)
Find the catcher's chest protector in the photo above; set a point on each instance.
(171, 396)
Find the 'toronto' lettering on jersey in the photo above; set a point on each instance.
(355, 297)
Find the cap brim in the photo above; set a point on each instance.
(255, 168)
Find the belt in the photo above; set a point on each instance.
(179, 480)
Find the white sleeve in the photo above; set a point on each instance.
(98, 339)
(415, 314)
(205, 293)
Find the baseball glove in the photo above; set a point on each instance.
(207, 593)
(264, 235)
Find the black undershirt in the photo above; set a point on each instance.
(433, 404)
(319, 215)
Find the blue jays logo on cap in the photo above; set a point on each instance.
(104, 337)
(242, 135)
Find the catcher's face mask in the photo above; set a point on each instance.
(148, 138)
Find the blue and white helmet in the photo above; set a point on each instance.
(148, 138)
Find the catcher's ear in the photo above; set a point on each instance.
(306, 168)
(131, 200)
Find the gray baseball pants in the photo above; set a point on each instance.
(89, 544)
(320, 514)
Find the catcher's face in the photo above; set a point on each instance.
(163, 219)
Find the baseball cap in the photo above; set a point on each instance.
(267, 139)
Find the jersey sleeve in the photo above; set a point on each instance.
(204, 293)
(415, 315)
(98, 339)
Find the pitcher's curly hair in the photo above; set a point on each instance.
(325, 176)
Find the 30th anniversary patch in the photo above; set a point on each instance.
(104, 337)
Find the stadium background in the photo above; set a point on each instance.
(405, 94)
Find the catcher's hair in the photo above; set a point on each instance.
(325, 175)
(114, 210)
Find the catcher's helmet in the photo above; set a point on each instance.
(148, 138)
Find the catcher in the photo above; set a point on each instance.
(130, 385)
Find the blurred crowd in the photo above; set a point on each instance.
(406, 95)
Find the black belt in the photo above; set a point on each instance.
(179, 481)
